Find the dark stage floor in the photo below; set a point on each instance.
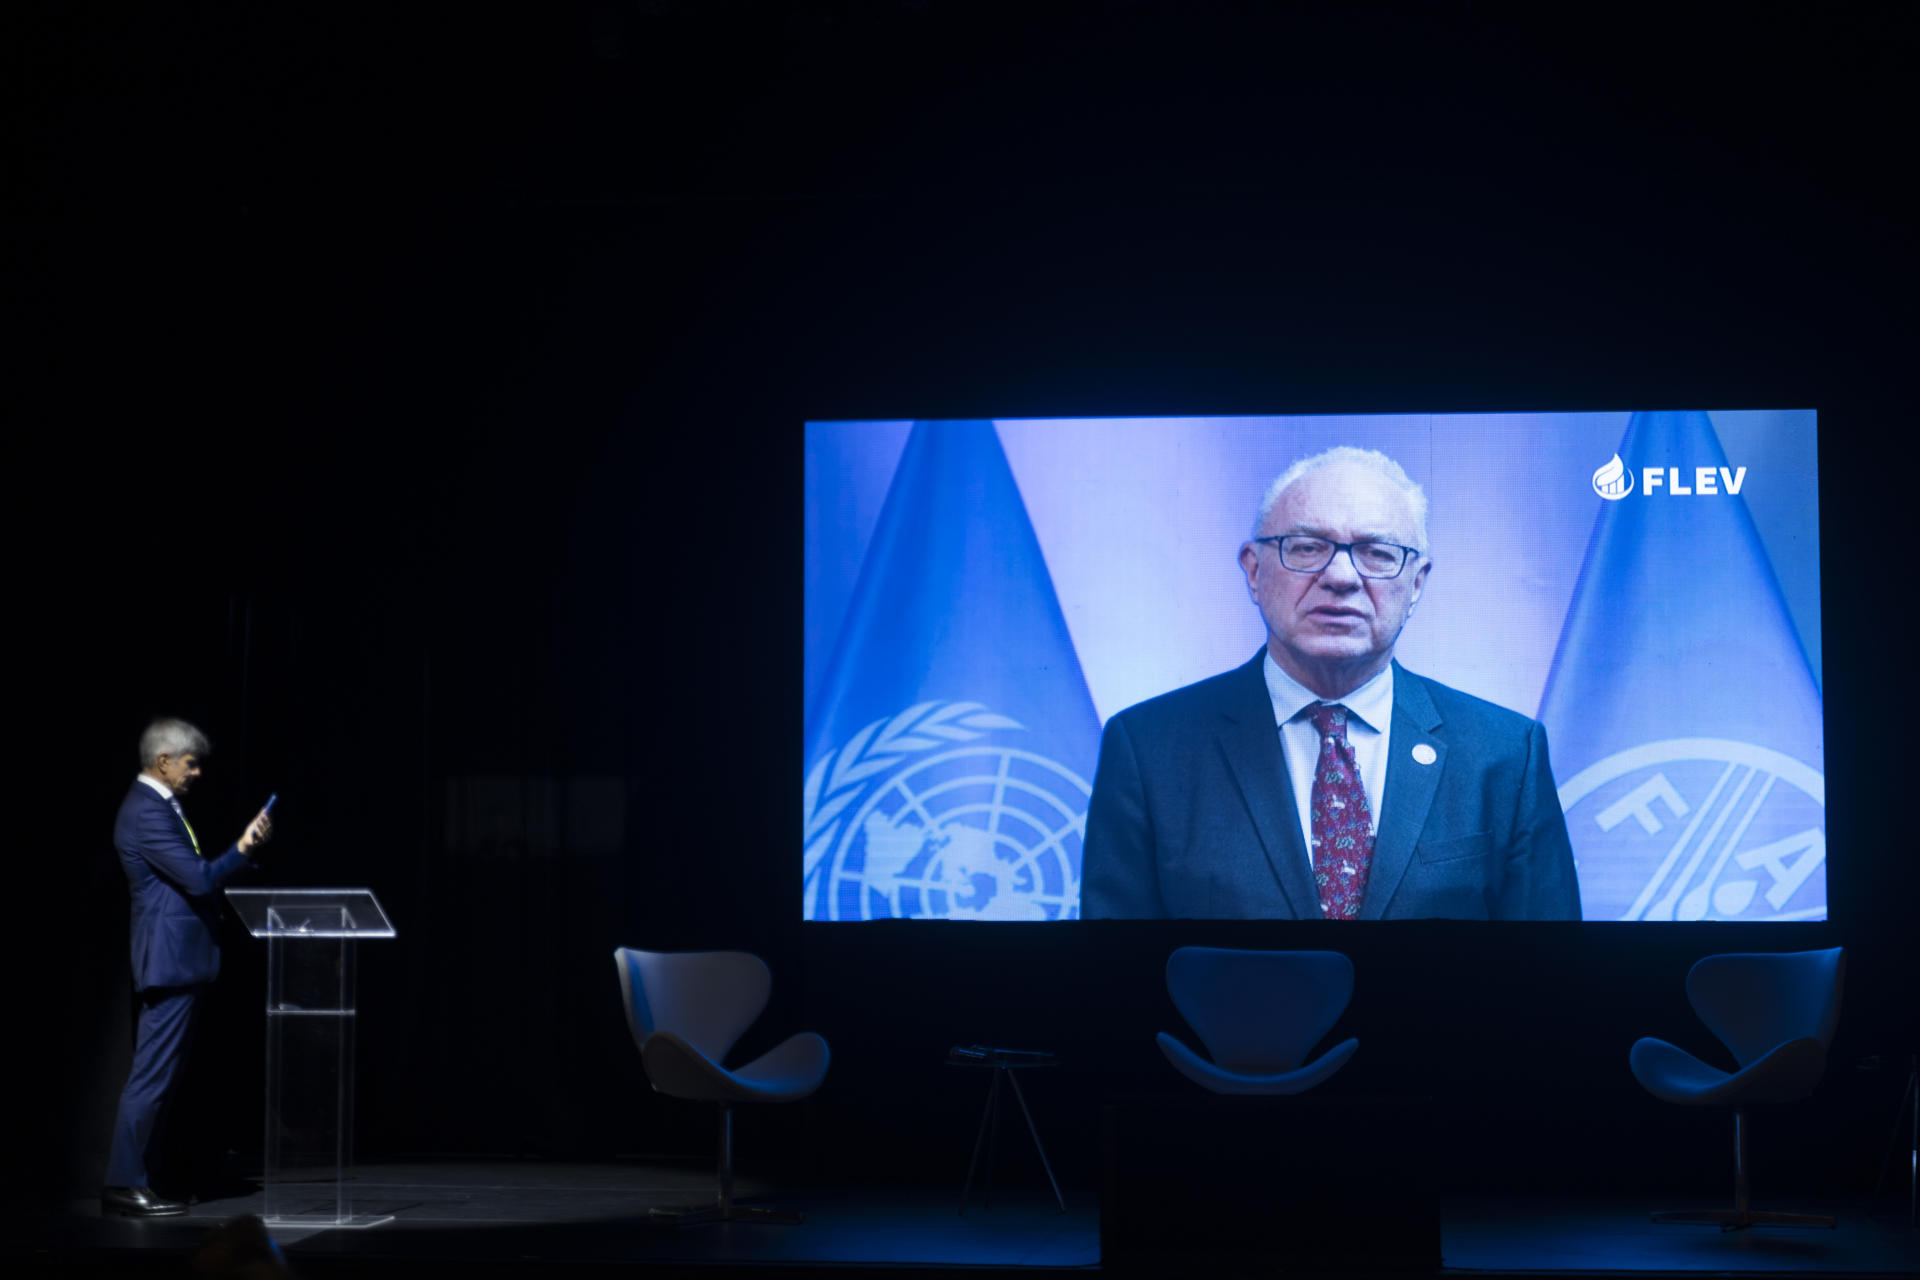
(1560, 1234)
(525, 1218)
(495, 1214)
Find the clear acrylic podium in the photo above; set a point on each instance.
(310, 937)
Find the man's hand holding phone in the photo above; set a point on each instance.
(260, 830)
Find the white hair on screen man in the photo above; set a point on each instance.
(1373, 460)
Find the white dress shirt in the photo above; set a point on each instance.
(1369, 725)
(166, 793)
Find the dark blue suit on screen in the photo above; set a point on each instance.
(1193, 814)
(175, 952)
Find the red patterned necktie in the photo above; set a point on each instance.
(1342, 835)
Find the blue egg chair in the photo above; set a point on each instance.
(1258, 1013)
(685, 1010)
(1776, 1014)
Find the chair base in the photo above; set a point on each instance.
(1741, 1219)
(721, 1209)
(1741, 1216)
(695, 1215)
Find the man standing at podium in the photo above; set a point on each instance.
(175, 946)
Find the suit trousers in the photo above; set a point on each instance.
(163, 1031)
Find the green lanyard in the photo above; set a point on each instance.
(182, 815)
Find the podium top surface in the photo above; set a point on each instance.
(311, 913)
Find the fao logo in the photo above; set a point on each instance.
(1699, 829)
(918, 817)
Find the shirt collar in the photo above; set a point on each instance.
(1371, 703)
(166, 792)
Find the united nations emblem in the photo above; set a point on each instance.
(1699, 829)
(927, 815)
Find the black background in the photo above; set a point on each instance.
(414, 401)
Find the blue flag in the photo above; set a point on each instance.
(951, 747)
(1683, 714)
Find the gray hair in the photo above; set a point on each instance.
(1372, 460)
(171, 737)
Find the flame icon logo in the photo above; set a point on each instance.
(1613, 481)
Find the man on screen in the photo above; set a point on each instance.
(1322, 779)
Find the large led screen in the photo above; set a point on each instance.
(1484, 666)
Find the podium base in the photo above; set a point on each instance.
(351, 1221)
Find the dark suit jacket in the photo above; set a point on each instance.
(1193, 814)
(176, 907)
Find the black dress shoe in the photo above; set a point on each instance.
(138, 1202)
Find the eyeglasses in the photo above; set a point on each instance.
(1304, 553)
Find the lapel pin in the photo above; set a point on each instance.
(1424, 754)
